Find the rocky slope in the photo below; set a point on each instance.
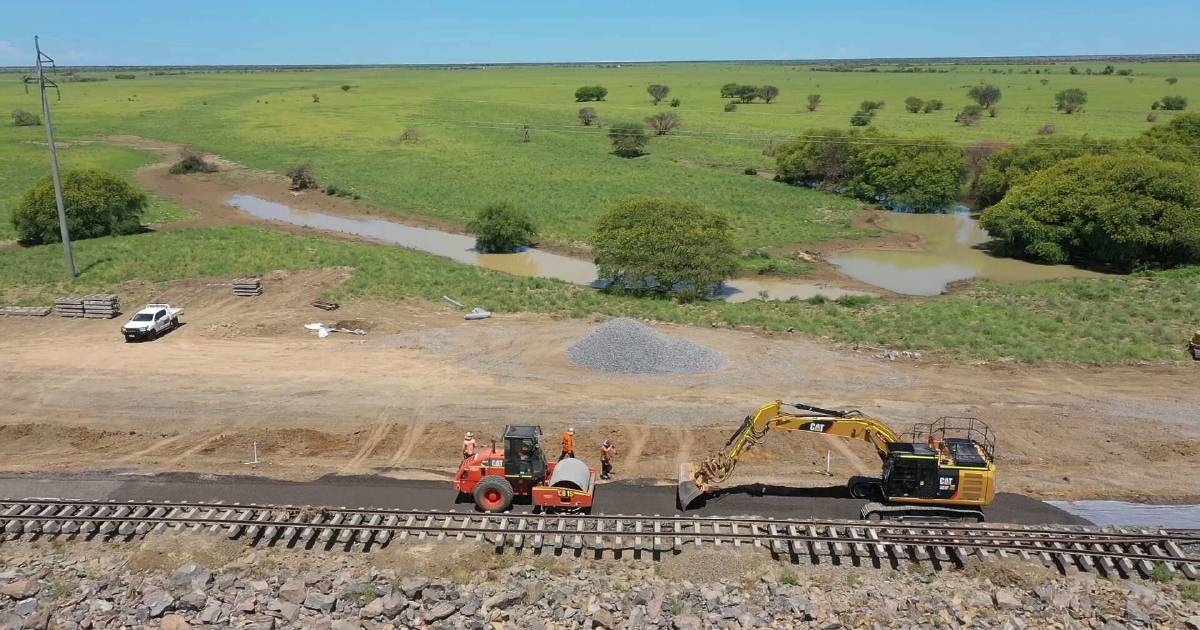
(179, 582)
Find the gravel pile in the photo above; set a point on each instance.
(631, 347)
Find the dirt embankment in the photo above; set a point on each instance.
(244, 370)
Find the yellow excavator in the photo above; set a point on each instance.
(945, 471)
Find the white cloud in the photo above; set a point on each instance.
(9, 54)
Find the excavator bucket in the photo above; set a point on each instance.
(688, 490)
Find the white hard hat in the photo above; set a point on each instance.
(571, 430)
(469, 434)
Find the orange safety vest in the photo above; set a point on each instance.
(568, 443)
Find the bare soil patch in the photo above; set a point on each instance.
(397, 401)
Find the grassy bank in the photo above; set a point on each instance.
(1141, 318)
(23, 163)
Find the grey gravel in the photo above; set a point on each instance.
(628, 346)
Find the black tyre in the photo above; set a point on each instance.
(863, 488)
(493, 494)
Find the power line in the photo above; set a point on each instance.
(710, 135)
(42, 81)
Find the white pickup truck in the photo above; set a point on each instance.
(150, 322)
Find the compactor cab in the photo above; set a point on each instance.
(524, 460)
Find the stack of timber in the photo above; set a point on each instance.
(24, 311)
(95, 306)
(247, 287)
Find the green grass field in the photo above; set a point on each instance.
(470, 154)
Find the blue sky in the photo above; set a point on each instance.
(354, 31)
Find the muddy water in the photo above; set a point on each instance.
(951, 252)
(1123, 513)
(531, 262)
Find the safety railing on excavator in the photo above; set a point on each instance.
(966, 427)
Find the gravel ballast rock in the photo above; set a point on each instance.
(628, 346)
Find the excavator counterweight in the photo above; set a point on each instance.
(950, 474)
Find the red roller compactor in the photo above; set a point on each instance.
(495, 476)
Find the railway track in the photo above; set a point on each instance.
(1108, 551)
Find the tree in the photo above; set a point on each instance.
(933, 105)
(731, 106)
(1124, 72)
(1125, 210)
(1108, 70)
(663, 122)
(591, 93)
(587, 116)
(316, 98)
(1012, 166)
(658, 92)
(970, 115)
(501, 227)
(628, 138)
(302, 177)
(1177, 141)
(976, 157)
(746, 93)
(768, 93)
(663, 246)
(1071, 100)
(913, 104)
(985, 95)
(871, 106)
(345, 87)
(98, 203)
(861, 118)
(676, 102)
(1174, 103)
(814, 101)
(727, 90)
(925, 175)
(1172, 80)
(22, 118)
(827, 160)
(1074, 70)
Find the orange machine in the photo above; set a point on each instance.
(495, 476)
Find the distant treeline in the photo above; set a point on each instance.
(906, 61)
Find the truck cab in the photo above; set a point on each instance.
(150, 322)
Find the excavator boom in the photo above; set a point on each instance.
(693, 483)
(941, 473)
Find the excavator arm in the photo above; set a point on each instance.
(695, 482)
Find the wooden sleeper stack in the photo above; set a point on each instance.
(24, 311)
(247, 287)
(95, 306)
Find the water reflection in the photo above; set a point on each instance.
(952, 251)
(531, 262)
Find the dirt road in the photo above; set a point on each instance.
(74, 396)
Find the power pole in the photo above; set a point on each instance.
(42, 82)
